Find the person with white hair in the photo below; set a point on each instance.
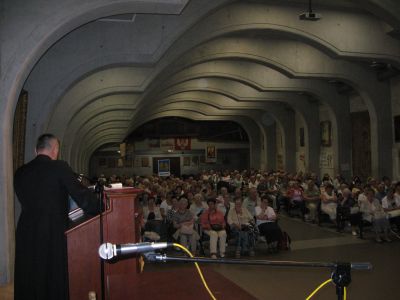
(348, 210)
(329, 202)
(374, 213)
(183, 221)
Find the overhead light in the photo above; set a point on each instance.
(309, 15)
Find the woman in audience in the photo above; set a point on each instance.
(240, 222)
(296, 199)
(374, 213)
(198, 206)
(329, 202)
(183, 221)
(392, 208)
(152, 219)
(266, 222)
(166, 205)
(311, 196)
(348, 210)
(213, 224)
(224, 205)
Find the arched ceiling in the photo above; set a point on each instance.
(215, 60)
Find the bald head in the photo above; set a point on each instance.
(48, 144)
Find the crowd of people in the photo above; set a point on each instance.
(243, 206)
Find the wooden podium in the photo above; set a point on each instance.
(121, 224)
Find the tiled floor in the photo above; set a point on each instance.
(326, 245)
(313, 243)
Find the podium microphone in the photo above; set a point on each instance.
(108, 251)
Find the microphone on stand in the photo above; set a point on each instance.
(108, 251)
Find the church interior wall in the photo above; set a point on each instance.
(230, 155)
(342, 34)
(357, 103)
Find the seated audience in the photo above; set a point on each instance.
(183, 221)
(348, 211)
(240, 221)
(374, 213)
(213, 224)
(392, 208)
(337, 202)
(251, 201)
(152, 217)
(267, 225)
(166, 205)
(329, 202)
(198, 206)
(311, 196)
(296, 199)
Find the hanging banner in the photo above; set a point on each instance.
(211, 154)
(183, 143)
(326, 159)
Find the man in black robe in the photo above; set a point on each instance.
(42, 187)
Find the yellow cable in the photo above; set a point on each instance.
(213, 297)
(198, 269)
(320, 287)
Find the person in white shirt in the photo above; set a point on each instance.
(240, 221)
(166, 205)
(329, 202)
(198, 206)
(266, 222)
(152, 217)
(251, 201)
(392, 208)
(373, 212)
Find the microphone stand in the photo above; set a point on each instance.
(341, 271)
(99, 189)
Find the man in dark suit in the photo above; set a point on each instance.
(42, 187)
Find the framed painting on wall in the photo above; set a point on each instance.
(164, 167)
(211, 154)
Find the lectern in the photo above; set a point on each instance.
(121, 224)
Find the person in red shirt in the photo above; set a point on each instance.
(213, 224)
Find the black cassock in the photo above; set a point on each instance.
(41, 266)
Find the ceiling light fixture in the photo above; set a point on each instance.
(310, 15)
